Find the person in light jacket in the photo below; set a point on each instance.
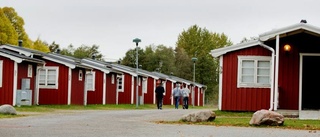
(176, 94)
(185, 95)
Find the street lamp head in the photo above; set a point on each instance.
(194, 59)
(136, 40)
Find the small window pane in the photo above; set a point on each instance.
(263, 79)
(246, 71)
(247, 79)
(265, 64)
(263, 71)
(248, 64)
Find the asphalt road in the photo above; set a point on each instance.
(128, 123)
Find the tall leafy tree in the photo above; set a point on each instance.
(8, 34)
(183, 64)
(17, 22)
(54, 47)
(41, 45)
(130, 58)
(83, 51)
(198, 42)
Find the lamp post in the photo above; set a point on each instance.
(194, 59)
(137, 40)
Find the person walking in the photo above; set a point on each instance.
(159, 95)
(176, 93)
(185, 95)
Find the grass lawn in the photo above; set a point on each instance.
(242, 119)
(223, 118)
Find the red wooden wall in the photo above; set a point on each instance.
(95, 97)
(6, 91)
(23, 73)
(77, 87)
(111, 89)
(168, 91)
(148, 97)
(56, 96)
(125, 96)
(242, 99)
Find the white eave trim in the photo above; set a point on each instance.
(26, 53)
(16, 59)
(273, 33)
(72, 66)
(98, 68)
(221, 51)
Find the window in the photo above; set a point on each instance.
(144, 85)
(30, 71)
(254, 71)
(112, 79)
(90, 76)
(1, 69)
(120, 83)
(80, 75)
(48, 77)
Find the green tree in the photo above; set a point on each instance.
(8, 34)
(54, 47)
(198, 42)
(17, 22)
(83, 51)
(183, 64)
(41, 45)
(130, 58)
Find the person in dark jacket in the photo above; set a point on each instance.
(159, 95)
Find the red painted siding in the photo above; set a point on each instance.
(125, 96)
(95, 97)
(242, 99)
(148, 97)
(23, 73)
(56, 96)
(168, 88)
(289, 67)
(196, 91)
(201, 97)
(111, 89)
(77, 87)
(6, 91)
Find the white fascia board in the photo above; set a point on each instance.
(16, 59)
(129, 72)
(72, 66)
(26, 53)
(218, 52)
(148, 75)
(273, 33)
(105, 70)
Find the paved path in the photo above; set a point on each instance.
(128, 123)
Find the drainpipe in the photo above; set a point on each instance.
(277, 74)
(272, 74)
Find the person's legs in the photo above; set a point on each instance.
(184, 102)
(160, 103)
(187, 103)
(176, 102)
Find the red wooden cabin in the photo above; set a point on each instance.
(275, 71)
(16, 72)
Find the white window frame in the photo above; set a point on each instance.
(120, 83)
(255, 83)
(56, 77)
(80, 75)
(92, 81)
(1, 70)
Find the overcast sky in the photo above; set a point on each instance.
(113, 24)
